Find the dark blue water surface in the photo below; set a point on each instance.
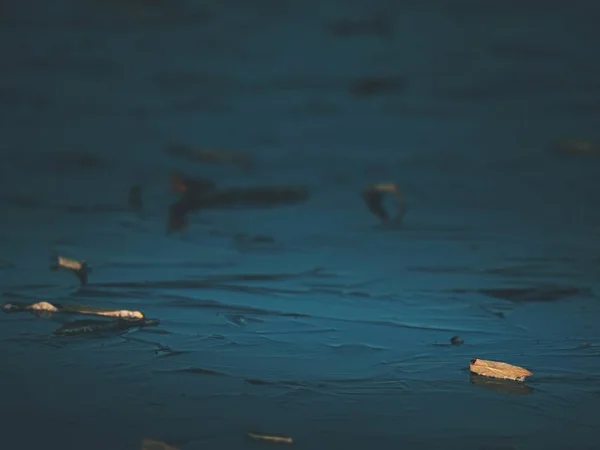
(310, 320)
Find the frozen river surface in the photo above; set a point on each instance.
(310, 320)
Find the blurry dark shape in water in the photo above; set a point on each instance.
(151, 444)
(256, 196)
(317, 272)
(456, 340)
(261, 382)
(79, 268)
(519, 271)
(576, 147)
(274, 438)
(369, 86)
(177, 217)
(211, 156)
(534, 294)
(281, 383)
(441, 269)
(167, 263)
(210, 281)
(183, 184)
(379, 25)
(79, 327)
(134, 200)
(198, 193)
(256, 239)
(202, 371)
(506, 387)
(373, 195)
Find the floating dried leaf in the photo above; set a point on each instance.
(497, 369)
